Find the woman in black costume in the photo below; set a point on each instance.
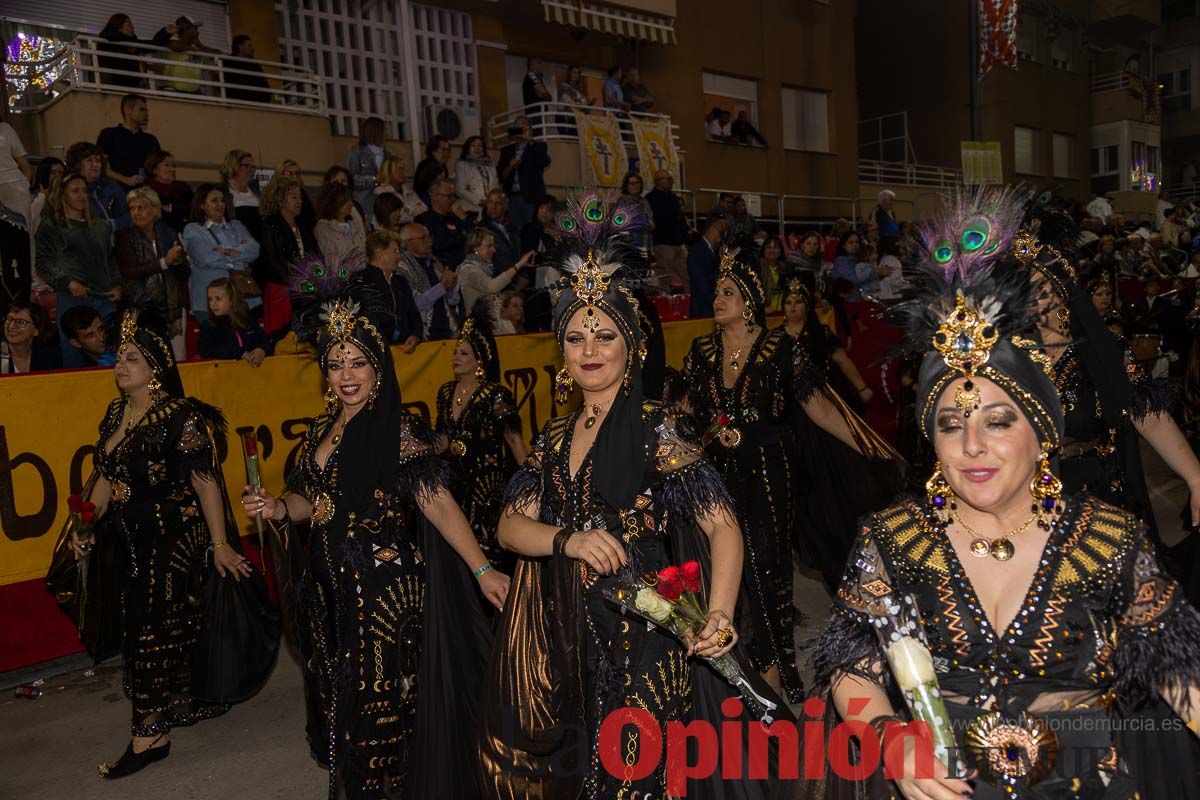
(480, 432)
(752, 388)
(382, 603)
(1066, 688)
(159, 488)
(1107, 398)
(611, 492)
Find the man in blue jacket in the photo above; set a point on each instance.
(703, 259)
(521, 166)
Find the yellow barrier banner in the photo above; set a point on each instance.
(49, 424)
(656, 148)
(601, 152)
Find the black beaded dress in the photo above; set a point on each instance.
(480, 459)
(163, 538)
(1102, 631)
(761, 466)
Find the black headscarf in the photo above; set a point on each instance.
(600, 242)
(143, 329)
(745, 277)
(477, 333)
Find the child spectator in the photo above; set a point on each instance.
(230, 332)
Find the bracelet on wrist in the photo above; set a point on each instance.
(881, 722)
(560, 540)
(221, 543)
(485, 568)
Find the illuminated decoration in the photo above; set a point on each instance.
(1142, 180)
(23, 72)
(997, 34)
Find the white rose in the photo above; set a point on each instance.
(653, 605)
(911, 663)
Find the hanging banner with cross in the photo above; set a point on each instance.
(656, 149)
(602, 157)
(998, 34)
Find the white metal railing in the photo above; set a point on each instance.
(556, 121)
(886, 134)
(1116, 81)
(203, 77)
(899, 173)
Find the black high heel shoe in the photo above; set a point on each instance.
(131, 762)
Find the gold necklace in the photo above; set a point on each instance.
(336, 439)
(460, 398)
(596, 409)
(129, 426)
(1000, 548)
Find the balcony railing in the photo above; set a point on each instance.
(898, 173)
(203, 77)
(556, 122)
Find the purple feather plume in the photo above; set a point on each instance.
(974, 230)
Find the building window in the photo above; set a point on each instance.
(1105, 177)
(1027, 38)
(1176, 90)
(1064, 152)
(1025, 151)
(1062, 49)
(731, 94)
(805, 120)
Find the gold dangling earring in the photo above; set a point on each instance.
(331, 401)
(939, 494)
(373, 396)
(1047, 491)
(748, 316)
(1064, 319)
(563, 383)
(480, 375)
(628, 372)
(155, 387)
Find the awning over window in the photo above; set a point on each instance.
(619, 21)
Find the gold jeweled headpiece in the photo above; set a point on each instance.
(1026, 247)
(468, 332)
(745, 279)
(128, 327)
(590, 283)
(796, 286)
(129, 330)
(339, 320)
(965, 340)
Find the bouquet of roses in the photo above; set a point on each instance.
(671, 599)
(722, 430)
(83, 519)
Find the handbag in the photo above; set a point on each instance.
(244, 281)
(239, 639)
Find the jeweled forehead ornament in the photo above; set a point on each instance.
(589, 284)
(965, 340)
(339, 320)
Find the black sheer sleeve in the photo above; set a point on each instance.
(1151, 395)
(525, 486)
(504, 408)
(423, 473)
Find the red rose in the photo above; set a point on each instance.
(670, 583)
(251, 444)
(88, 505)
(88, 516)
(691, 575)
(723, 420)
(75, 503)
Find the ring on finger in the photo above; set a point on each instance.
(724, 637)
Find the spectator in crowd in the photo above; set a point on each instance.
(726, 203)
(174, 195)
(614, 97)
(16, 256)
(402, 324)
(507, 240)
(27, 339)
(572, 92)
(82, 328)
(120, 38)
(366, 160)
(340, 230)
(106, 195)
(849, 266)
(670, 231)
(152, 261)
(240, 58)
(1173, 230)
(632, 187)
(512, 312)
(217, 247)
(541, 234)
(474, 176)
(840, 228)
(892, 284)
(230, 332)
(444, 221)
(719, 125)
(1160, 209)
(436, 164)
(435, 287)
(15, 174)
(477, 278)
(74, 254)
(522, 163)
(48, 171)
(702, 261)
(1106, 252)
(129, 144)
(241, 190)
(1151, 307)
(533, 89)
(308, 211)
(806, 257)
(285, 238)
(743, 223)
(635, 92)
(772, 272)
(183, 42)
(392, 179)
(742, 131)
(1100, 208)
(885, 216)
(389, 213)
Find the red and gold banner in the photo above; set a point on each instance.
(998, 33)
